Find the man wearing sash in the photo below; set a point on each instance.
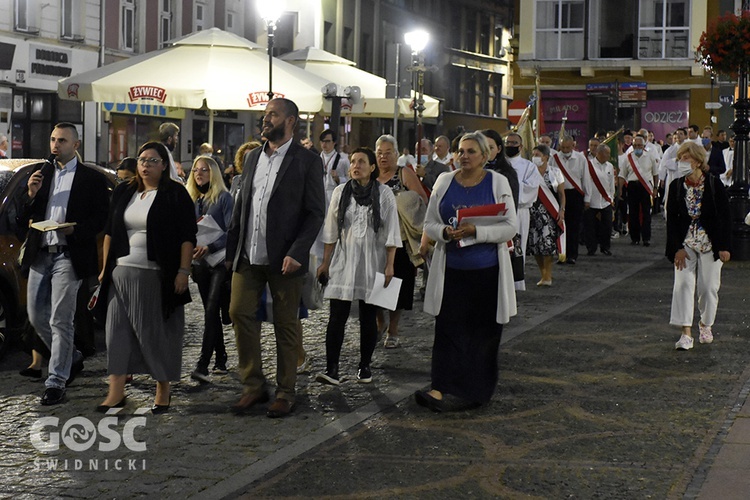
(640, 172)
(572, 164)
(599, 180)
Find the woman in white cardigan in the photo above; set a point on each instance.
(470, 287)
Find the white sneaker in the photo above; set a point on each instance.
(684, 343)
(706, 336)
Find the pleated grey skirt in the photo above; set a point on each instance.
(139, 340)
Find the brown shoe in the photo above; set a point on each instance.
(249, 400)
(280, 408)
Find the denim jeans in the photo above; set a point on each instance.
(51, 301)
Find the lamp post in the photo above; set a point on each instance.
(417, 40)
(270, 12)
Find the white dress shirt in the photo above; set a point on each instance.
(605, 172)
(575, 166)
(59, 196)
(646, 166)
(264, 179)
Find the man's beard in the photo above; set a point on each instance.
(275, 133)
(170, 145)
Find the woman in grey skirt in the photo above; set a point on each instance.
(148, 247)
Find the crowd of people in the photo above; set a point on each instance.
(466, 211)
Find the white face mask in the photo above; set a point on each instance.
(683, 168)
(537, 160)
(567, 155)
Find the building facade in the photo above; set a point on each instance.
(631, 63)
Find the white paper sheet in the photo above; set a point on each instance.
(387, 298)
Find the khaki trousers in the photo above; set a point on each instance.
(247, 286)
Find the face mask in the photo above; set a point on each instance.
(567, 155)
(423, 160)
(537, 160)
(512, 151)
(638, 152)
(683, 168)
(706, 141)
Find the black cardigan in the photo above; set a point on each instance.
(170, 223)
(715, 216)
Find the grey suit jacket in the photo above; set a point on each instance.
(296, 209)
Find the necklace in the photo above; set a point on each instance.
(470, 183)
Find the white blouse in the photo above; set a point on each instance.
(359, 252)
(135, 217)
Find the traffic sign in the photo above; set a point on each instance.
(726, 99)
(713, 105)
(515, 110)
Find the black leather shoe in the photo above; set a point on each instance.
(105, 408)
(75, 369)
(423, 398)
(53, 396)
(247, 401)
(646, 243)
(31, 373)
(572, 262)
(607, 253)
(635, 242)
(158, 409)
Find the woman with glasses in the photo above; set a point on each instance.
(470, 288)
(411, 200)
(148, 246)
(213, 207)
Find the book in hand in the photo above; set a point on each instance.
(51, 225)
(481, 215)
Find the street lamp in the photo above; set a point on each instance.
(418, 40)
(270, 12)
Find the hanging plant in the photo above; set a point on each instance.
(725, 46)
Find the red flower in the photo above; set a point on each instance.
(725, 45)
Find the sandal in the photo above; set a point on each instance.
(391, 342)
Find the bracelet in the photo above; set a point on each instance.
(184, 271)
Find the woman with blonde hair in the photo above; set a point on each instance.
(213, 207)
(239, 160)
(698, 243)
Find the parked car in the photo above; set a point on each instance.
(14, 323)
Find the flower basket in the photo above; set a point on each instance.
(725, 46)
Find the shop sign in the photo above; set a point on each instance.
(144, 110)
(51, 63)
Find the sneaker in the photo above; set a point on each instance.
(201, 375)
(305, 366)
(364, 375)
(329, 377)
(391, 342)
(706, 336)
(684, 343)
(220, 369)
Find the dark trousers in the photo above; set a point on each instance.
(639, 206)
(210, 281)
(621, 210)
(573, 219)
(597, 228)
(368, 332)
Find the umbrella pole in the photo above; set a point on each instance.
(211, 127)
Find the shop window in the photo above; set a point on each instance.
(127, 25)
(559, 29)
(199, 17)
(26, 14)
(286, 30)
(71, 24)
(612, 29)
(663, 29)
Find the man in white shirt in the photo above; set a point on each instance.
(546, 140)
(667, 171)
(406, 159)
(639, 170)
(529, 180)
(442, 150)
(573, 165)
(693, 134)
(599, 179)
(169, 135)
(335, 164)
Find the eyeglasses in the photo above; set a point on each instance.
(151, 162)
(202, 169)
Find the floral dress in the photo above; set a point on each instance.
(543, 229)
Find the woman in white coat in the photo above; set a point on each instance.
(470, 288)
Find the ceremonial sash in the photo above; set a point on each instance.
(562, 243)
(550, 203)
(638, 174)
(567, 175)
(598, 182)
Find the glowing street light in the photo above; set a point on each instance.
(270, 11)
(418, 40)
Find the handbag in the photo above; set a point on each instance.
(312, 289)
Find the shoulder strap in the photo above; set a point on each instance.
(336, 161)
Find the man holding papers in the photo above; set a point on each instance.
(213, 212)
(361, 234)
(470, 287)
(600, 191)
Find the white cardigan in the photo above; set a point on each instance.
(499, 233)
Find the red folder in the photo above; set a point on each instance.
(482, 211)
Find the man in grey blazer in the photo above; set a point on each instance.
(277, 215)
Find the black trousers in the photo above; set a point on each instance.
(210, 281)
(639, 207)
(573, 219)
(597, 228)
(368, 332)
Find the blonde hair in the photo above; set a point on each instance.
(239, 157)
(216, 181)
(697, 152)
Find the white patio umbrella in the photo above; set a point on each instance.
(345, 72)
(210, 69)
